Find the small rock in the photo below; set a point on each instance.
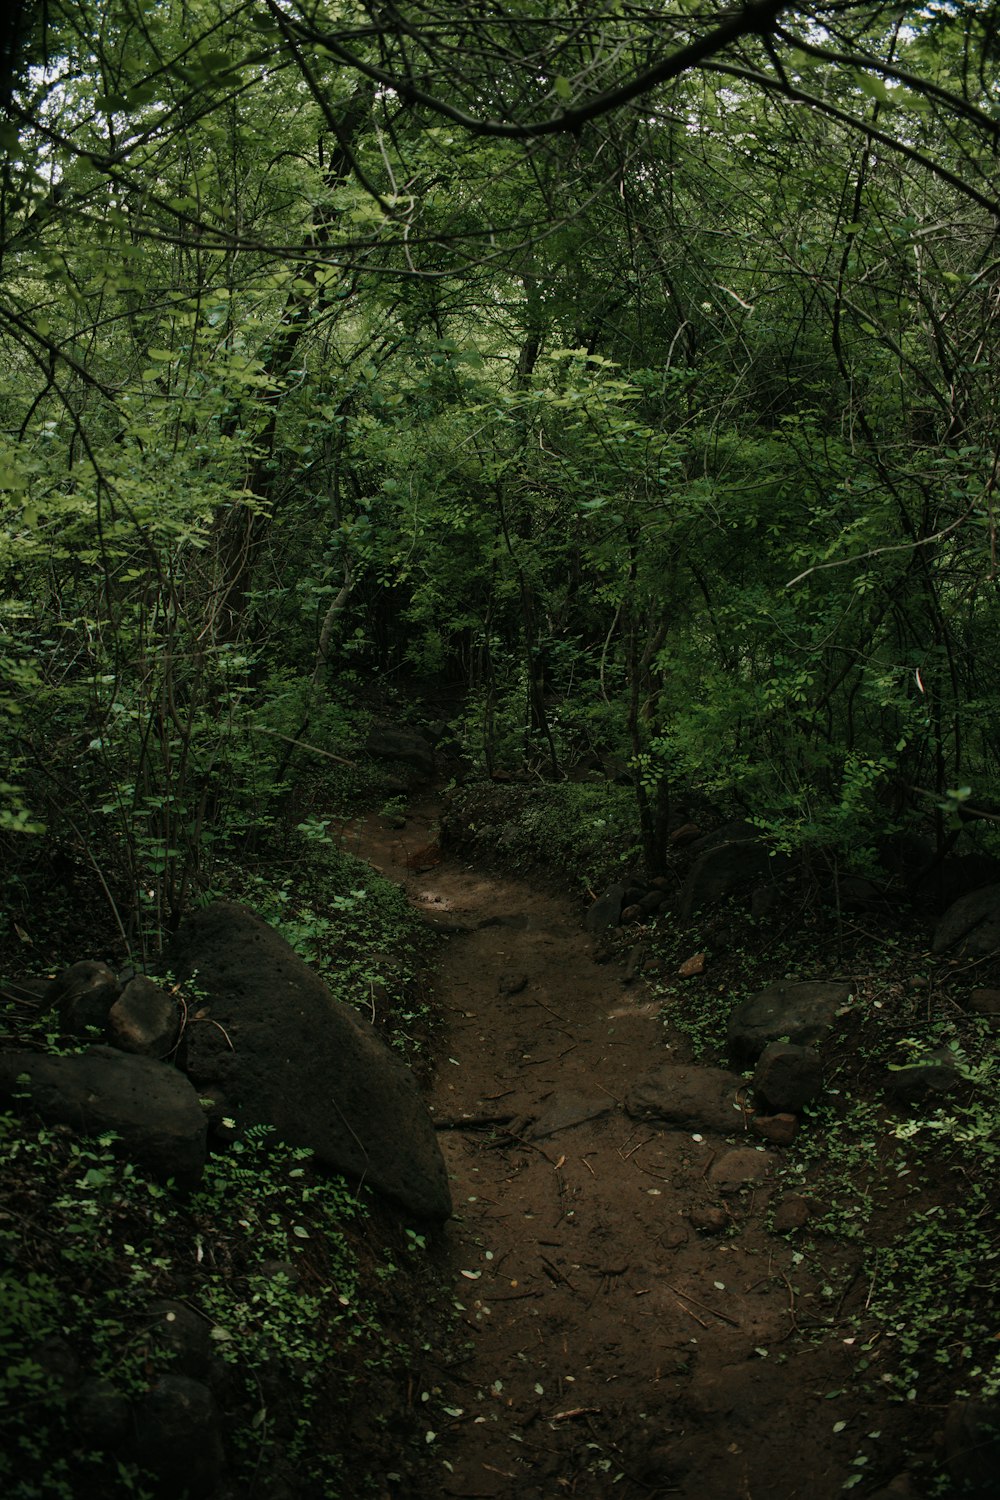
(709, 1220)
(634, 965)
(780, 1129)
(787, 1076)
(144, 1020)
(934, 1075)
(631, 914)
(739, 1168)
(674, 1237)
(801, 1012)
(512, 984)
(84, 994)
(691, 966)
(985, 1002)
(606, 911)
(652, 901)
(686, 834)
(793, 1212)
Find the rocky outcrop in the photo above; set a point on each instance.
(289, 1055)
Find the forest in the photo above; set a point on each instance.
(625, 370)
(609, 384)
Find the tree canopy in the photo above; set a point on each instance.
(627, 368)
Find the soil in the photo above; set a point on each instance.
(605, 1345)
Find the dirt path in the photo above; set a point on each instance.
(609, 1347)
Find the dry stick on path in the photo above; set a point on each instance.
(704, 1305)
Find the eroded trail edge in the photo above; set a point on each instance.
(605, 1344)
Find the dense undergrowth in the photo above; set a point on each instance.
(317, 1301)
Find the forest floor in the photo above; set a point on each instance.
(605, 1346)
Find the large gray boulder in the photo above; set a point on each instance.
(149, 1105)
(801, 1012)
(970, 928)
(296, 1058)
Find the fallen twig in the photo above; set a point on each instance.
(704, 1305)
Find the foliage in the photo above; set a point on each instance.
(581, 832)
(89, 1243)
(355, 928)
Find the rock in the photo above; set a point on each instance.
(687, 1096)
(985, 1002)
(149, 1105)
(144, 1020)
(787, 1076)
(779, 1130)
(801, 1012)
(792, 1213)
(732, 857)
(390, 742)
(652, 901)
(512, 984)
(606, 911)
(936, 1074)
(308, 1064)
(83, 994)
(692, 966)
(631, 914)
(100, 1415)
(686, 834)
(739, 1168)
(179, 1438)
(709, 1220)
(972, 1446)
(970, 928)
(634, 966)
(177, 1331)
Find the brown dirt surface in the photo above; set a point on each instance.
(605, 1345)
